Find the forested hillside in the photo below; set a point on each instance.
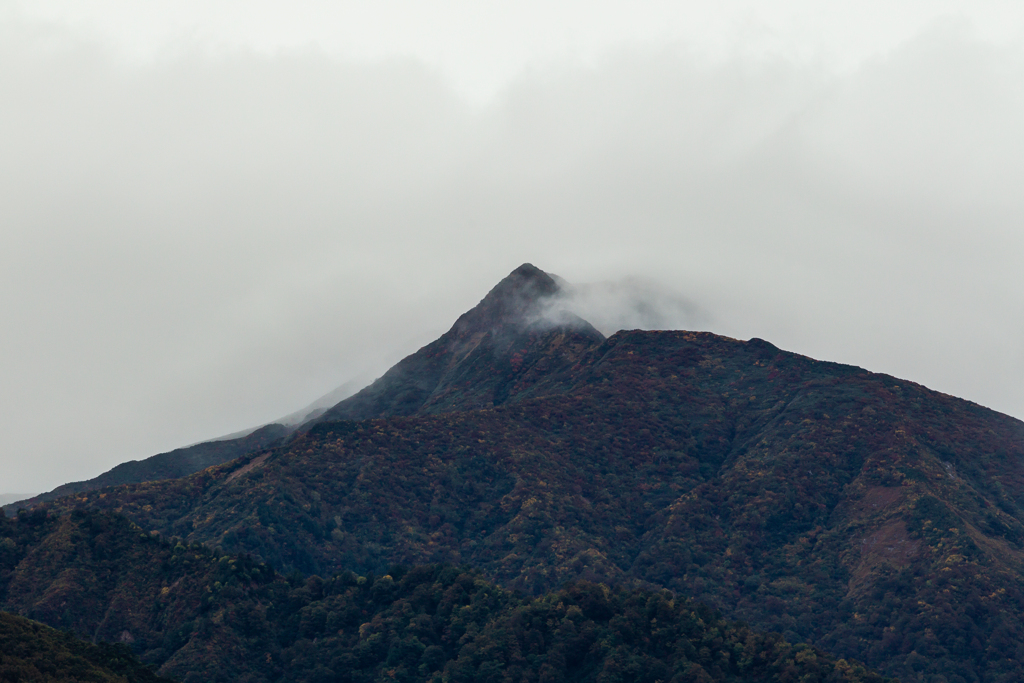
(33, 653)
(201, 616)
(866, 515)
(510, 346)
(177, 463)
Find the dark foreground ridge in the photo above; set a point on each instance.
(30, 651)
(866, 515)
(205, 617)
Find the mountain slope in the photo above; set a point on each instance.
(861, 513)
(508, 346)
(177, 463)
(30, 651)
(206, 617)
(864, 514)
(511, 345)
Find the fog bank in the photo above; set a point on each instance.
(197, 244)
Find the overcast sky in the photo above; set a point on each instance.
(213, 212)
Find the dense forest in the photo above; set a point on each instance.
(867, 516)
(204, 616)
(33, 653)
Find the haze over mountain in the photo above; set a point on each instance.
(488, 355)
(214, 214)
(8, 498)
(867, 515)
(498, 351)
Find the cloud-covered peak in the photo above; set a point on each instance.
(512, 301)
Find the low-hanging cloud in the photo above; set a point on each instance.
(625, 304)
(207, 242)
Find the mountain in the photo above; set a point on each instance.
(184, 461)
(7, 498)
(30, 651)
(514, 344)
(177, 463)
(202, 616)
(866, 515)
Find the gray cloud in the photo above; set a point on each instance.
(203, 243)
(626, 304)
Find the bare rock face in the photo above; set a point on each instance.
(514, 344)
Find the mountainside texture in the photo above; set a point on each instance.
(865, 515)
(31, 652)
(177, 463)
(512, 345)
(204, 617)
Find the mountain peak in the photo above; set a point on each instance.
(528, 270)
(514, 342)
(526, 282)
(514, 300)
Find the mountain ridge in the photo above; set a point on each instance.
(30, 651)
(791, 493)
(867, 515)
(488, 357)
(170, 465)
(511, 323)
